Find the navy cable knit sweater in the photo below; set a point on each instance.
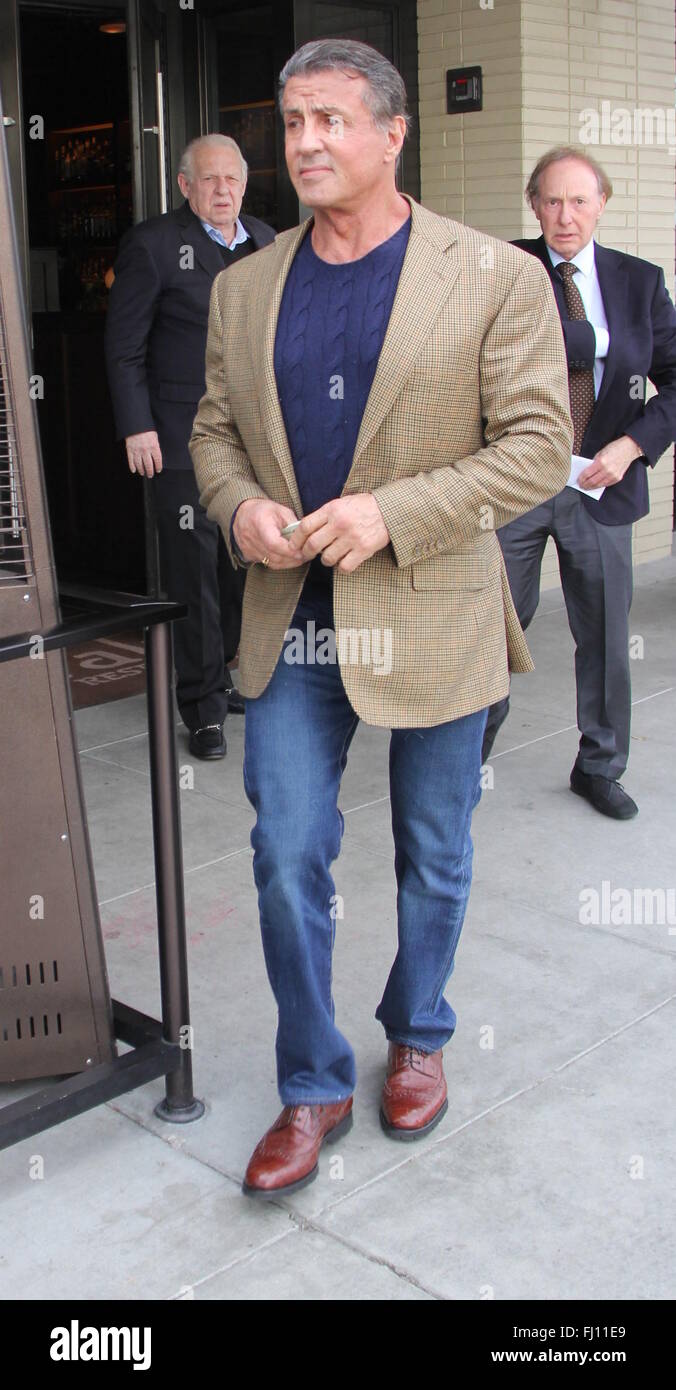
(331, 327)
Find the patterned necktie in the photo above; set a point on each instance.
(580, 381)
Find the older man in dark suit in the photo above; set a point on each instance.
(619, 326)
(155, 344)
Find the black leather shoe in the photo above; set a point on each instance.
(606, 796)
(208, 742)
(235, 701)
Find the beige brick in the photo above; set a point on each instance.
(534, 96)
(648, 32)
(622, 44)
(607, 24)
(478, 24)
(547, 34)
(437, 24)
(661, 203)
(603, 89)
(508, 64)
(547, 74)
(534, 11)
(618, 8)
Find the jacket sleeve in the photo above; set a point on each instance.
(655, 427)
(527, 432)
(223, 471)
(134, 297)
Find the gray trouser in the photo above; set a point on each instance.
(596, 577)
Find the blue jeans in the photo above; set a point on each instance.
(297, 737)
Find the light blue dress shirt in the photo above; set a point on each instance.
(241, 234)
(587, 282)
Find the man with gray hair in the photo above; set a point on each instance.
(619, 327)
(401, 380)
(155, 340)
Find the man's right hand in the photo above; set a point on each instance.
(143, 453)
(257, 530)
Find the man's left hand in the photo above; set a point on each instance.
(345, 532)
(611, 463)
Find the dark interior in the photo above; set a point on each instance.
(79, 194)
(79, 205)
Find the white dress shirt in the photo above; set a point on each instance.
(587, 282)
(241, 234)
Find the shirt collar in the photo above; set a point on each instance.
(584, 260)
(241, 234)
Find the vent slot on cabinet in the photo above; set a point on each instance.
(36, 1026)
(35, 976)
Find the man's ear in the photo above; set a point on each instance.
(183, 184)
(396, 137)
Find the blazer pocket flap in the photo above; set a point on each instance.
(470, 570)
(181, 391)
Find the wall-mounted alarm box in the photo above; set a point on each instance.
(463, 90)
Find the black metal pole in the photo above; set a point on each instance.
(180, 1104)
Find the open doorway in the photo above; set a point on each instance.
(79, 203)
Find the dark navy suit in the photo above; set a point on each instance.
(156, 334)
(593, 538)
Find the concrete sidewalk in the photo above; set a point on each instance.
(553, 1173)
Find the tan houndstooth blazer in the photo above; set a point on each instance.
(466, 426)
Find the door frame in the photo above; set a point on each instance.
(12, 98)
(12, 105)
(10, 81)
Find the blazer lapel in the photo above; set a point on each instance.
(254, 233)
(206, 250)
(614, 291)
(552, 271)
(426, 280)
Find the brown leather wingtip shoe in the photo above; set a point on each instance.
(286, 1157)
(415, 1097)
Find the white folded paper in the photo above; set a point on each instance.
(578, 465)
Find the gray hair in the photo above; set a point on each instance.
(385, 94)
(186, 164)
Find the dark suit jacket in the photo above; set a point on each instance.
(156, 329)
(642, 327)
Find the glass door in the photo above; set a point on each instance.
(150, 169)
(149, 124)
(12, 118)
(69, 147)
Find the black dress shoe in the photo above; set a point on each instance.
(208, 742)
(235, 701)
(606, 796)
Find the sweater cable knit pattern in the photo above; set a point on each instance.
(331, 327)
